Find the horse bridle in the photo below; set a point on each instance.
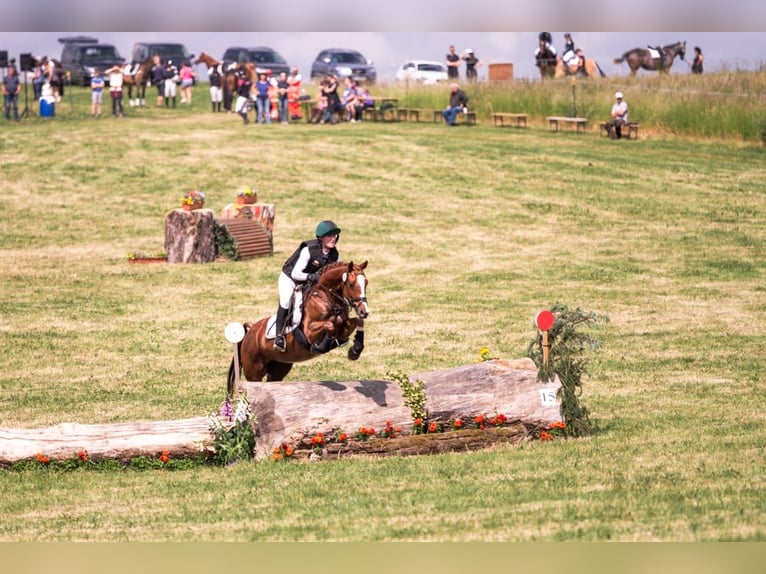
(348, 303)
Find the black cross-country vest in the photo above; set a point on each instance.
(317, 259)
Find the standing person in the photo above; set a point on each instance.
(187, 81)
(52, 77)
(115, 89)
(216, 93)
(38, 80)
(330, 91)
(619, 117)
(171, 82)
(294, 94)
(458, 102)
(96, 93)
(453, 64)
(471, 63)
(302, 267)
(11, 89)
(244, 95)
(698, 59)
(283, 89)
(262, 104)
(157, 75)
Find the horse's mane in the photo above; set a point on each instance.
(331, 266)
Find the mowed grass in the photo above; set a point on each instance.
(469, 232)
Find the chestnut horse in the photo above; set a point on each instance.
(643, 58)
(228, 78)
(326, 324)
(139, 80)
(552, 66)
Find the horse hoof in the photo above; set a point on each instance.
(354, 355)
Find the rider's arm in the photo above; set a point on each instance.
(297, 273)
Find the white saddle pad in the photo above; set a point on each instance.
(271, 326)
(654, 53)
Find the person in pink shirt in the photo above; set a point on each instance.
(187, 81)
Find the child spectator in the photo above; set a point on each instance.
(96, 97)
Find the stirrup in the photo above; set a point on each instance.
(279, 343)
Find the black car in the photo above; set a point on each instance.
(81, 55)
(344, 64)
(178, 53)
(265, 59)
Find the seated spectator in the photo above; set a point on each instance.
(619, 117)
(364, 102)
(458, 102)
(348, 100)
(317, 112)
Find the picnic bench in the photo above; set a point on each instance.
(519, 120)
(630, 130)
(468, 118)
(554, 122)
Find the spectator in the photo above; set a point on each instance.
(294, 94)
(38, 79)
(262, 103)
(453, 64)
(244, 95)
(97, 95)
(330, 91)
(698, 59)
(364, 102)
(458, 102)
(348, 99)
(471, 63)
(115, 89)
(317, 112)
(187, 81)
(52, 78)
(283, 89)
(171, 82)
(157, 76)
(11, 89)
(619, 117)
(216, 93)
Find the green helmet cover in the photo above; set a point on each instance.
(326, 227)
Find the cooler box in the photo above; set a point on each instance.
(47, 107)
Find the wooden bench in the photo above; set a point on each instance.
(629, 130)
(554, 122)
(468, 118)
(519, 120)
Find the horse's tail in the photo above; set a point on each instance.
(600, 71)
(232, 376)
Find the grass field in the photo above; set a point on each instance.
(469, 232)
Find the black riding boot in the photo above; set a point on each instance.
(218, 105)
(213, 104)
(279, 340)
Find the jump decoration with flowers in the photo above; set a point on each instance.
(247, 196)
(193, 199)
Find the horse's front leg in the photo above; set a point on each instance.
(356, 349)
(321, 335)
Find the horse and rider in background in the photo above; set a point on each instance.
(572, 63)
(654, 59)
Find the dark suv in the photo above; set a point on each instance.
(344, 64)
(142, 51)
(82, 54)
(265, 59)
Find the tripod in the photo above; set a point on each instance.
(26, 112)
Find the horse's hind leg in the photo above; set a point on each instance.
(276, 371)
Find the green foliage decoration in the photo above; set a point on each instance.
(225, 243)
(413, 393)
(570, 348)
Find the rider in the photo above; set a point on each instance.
(569, 55)
(545, 40)
(302, 266)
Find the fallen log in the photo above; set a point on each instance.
(286, 413)
(121, 441)
(291, 413)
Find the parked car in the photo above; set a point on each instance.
(166, 51)
(81, 54)
(264, 58)
(425, 71)
(344, 64)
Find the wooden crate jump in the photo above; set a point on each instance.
(518, 120)
(251, 236)
(554, 122)
(629, 130)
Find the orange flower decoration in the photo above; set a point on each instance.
(545, 435)
(165, 456)
(82, 455)
(42, 459)
(559, 425)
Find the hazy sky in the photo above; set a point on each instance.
(390, 31)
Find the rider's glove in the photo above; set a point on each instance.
(313, 277)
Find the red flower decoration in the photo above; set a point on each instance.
(433, 427)
(165, 456)
(342, 437)
(545, 435)
(42, 459)
(82, 455)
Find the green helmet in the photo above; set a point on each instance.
(327, 227)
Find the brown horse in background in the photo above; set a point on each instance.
(326, 324)
(138, 79)
(642, 58)
(228, 78)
